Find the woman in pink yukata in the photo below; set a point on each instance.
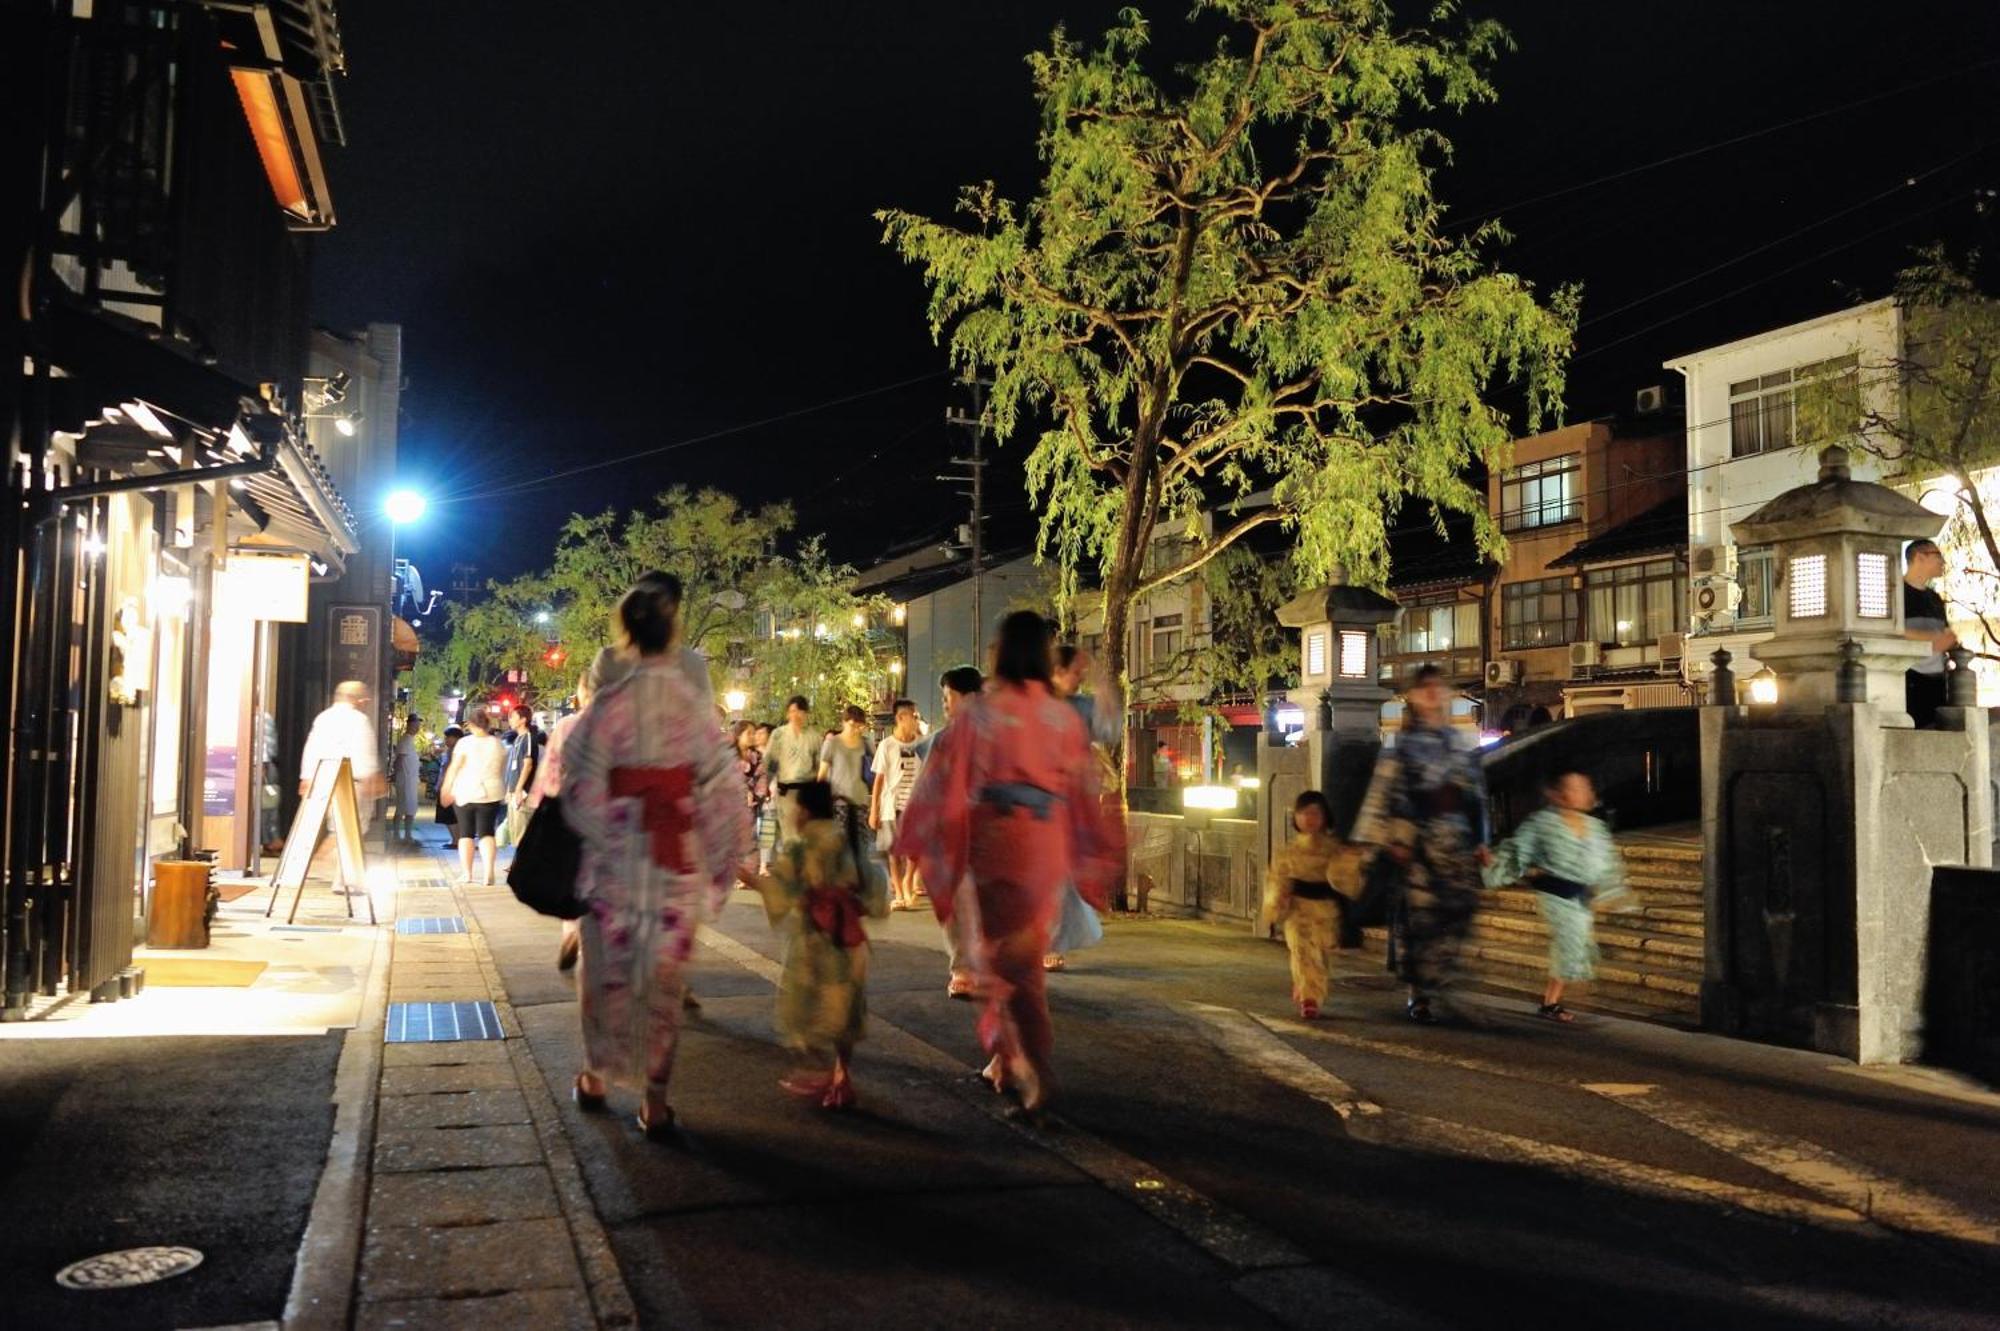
(1010, 794)
(654, 792)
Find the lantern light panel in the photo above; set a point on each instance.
(1807, 578)
(1872, 584)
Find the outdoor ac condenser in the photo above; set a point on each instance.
(1583, 655)
(1502, 672)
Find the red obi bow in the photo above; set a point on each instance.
(835, 913)
(667, 792)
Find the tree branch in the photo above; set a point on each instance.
(1243, 527)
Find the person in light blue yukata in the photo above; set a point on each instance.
(1568, 858)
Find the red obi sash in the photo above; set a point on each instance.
(668, 795)
(835, 912)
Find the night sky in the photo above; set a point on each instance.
(618, 226)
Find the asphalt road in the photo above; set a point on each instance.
(1216, 1163)
(205, 1142)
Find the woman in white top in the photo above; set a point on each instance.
(473, 786)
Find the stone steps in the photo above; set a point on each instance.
(1652, 954)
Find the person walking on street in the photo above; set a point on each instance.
(756, 785)
(957, 687)
(403, 764)
(1426, 809)
(446, 816)
(344, 730)
(1925, 621)
(767, 809)
(606, 667)
(1303, 892)
(650, 788)
(825, 884)
(842, 759)
(1078, 925)
(523, 753)
(897, 764)
(474, 784)
(1567, 856)
(792, 760)
(1010, 796)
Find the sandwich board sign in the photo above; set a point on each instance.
(331, 796)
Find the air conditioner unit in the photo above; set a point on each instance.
(1718, 560)
(1583, 655)
(1673, 646)
(1502, 672)
(1649, 400)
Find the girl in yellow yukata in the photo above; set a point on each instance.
(824, 885)
(1309, 881)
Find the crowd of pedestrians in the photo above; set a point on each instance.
(1001, 819)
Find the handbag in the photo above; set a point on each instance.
(547, 862)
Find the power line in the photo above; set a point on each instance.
(1872, 199)
(538, 482)
(1730, 142)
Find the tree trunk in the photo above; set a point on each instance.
(1117, 617)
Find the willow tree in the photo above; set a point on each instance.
(1235, 289)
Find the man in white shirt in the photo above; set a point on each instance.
(792, 760)
(897, 765)
(344, 731)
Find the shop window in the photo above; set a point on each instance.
(1541, 612)
(1432, 627)
(1756, 575)
(1166, 638)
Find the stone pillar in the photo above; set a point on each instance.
(1823, 814)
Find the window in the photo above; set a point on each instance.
(1539, 613)
(1541, 494)
(1315, 655)
(1871, 570)
(1166, 638)
(1756, 574)
(1353, 654)
(1808, 586)
(1634, 603)
(1438, 625)
(1763, 412)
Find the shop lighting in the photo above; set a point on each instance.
(736, 700)
(860, 621)
(895, 667)
(344, 424)
(1764, 687)
(1247, 783)
(143, 416)
(1208, 798)
(92, 547)
(172, 595)
(897, 614)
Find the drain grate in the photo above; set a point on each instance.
(128, 1267)
(431, 924)
(418, 1023)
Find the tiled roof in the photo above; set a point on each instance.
(1661, 528)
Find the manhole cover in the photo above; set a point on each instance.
(127, 1267)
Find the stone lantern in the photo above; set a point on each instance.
(1838, 548)
(1340, 692)
(1825, 816)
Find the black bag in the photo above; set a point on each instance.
(546, 864)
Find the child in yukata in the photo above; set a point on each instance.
(1568, 858)
(1309, 881)
(825, 885)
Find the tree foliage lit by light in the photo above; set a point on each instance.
(1236, 278)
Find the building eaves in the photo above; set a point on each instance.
(1661, 528)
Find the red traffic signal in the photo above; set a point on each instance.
(555, 655)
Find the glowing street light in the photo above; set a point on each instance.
(1764, 687)
(541, 616)
(735, 700)
(404, 507)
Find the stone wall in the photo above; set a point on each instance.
(1209, 869)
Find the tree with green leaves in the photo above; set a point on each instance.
(1235, 280)
(824, 640)
(1931, 412)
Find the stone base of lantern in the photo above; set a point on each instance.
(1807, 667)
(1820, 827)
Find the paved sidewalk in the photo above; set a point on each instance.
(476, 1212)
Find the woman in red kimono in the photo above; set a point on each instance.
(1010, 795)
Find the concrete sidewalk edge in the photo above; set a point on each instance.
(610, 1297)
(323, 1275)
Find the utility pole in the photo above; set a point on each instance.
(974, 533)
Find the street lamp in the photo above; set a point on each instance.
(1764, 687)
(735, 700)
(541, 616)
(404, 506)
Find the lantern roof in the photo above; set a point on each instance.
(1337, 604)
(1835, 503)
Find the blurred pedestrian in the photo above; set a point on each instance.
(1426, 809)
(524, 752)
(446, 816)
(767, 809)
(1010, 796)
(474, 784)
(844, 760)
(403, 765)
(824, 883)
(344, 730)
(956, 687)
(649, 787)
(1308, 879)
(897, 764)
(1103, 715)
(607, 667)
(1568, 858)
